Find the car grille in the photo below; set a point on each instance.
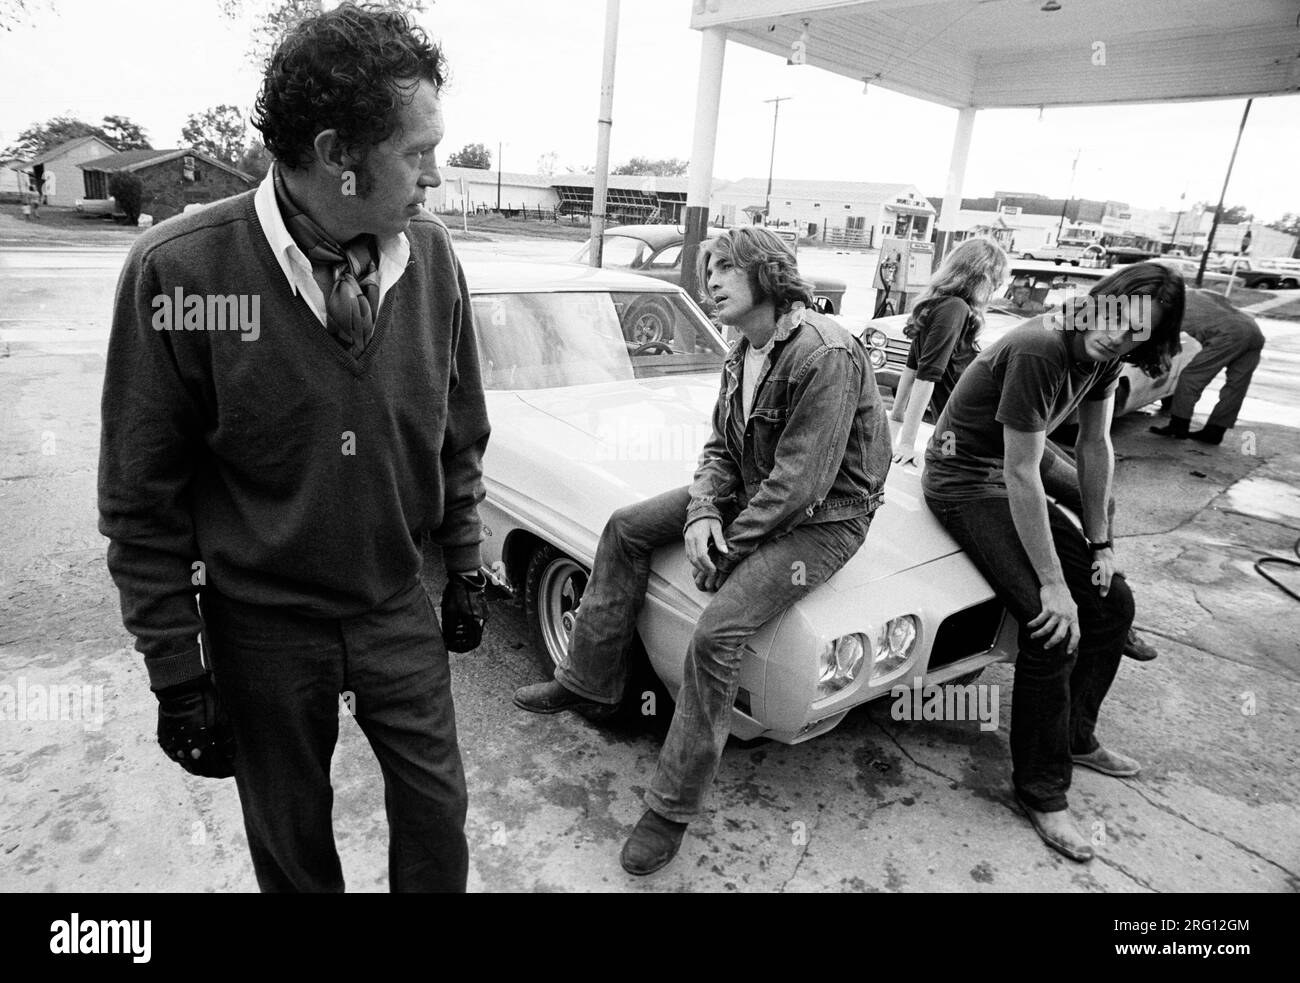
(896, 352)
(967, 632)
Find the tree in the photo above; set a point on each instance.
(255, 160)
(471, 155)
(128, 190)
(117, 131)
(267, 21)
(1235, 215)
(668, 167)
(126, 135)
(14, 13)
(219, 132)
(40, 137)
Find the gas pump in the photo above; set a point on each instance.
(902, 272)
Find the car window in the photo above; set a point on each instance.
(551, 340)
(1032, 293)
(666, 258)
(622, 253)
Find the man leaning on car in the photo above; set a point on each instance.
(782, 498)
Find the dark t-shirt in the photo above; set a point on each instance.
(935, 354)
(1027, 380)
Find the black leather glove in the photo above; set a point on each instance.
(464, 610)
(193, 729)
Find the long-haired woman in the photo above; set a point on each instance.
(944, 326)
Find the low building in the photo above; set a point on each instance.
(841, 213)
(630, 199)
(476, 189)
(172, 179)
(59, 166)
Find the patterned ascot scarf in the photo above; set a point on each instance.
(353, 302)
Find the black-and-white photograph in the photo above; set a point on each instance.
(651, 446)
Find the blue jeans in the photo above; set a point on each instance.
(762, 586)
(1056, 697)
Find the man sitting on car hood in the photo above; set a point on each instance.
(782, 498)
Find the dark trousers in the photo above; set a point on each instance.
(1239, 354)
(280, 676)
(764, 584)
(1056, 697)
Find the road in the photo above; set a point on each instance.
(877, 804)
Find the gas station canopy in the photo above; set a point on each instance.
(1027, 53)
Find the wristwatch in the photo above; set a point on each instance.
(1098, 547)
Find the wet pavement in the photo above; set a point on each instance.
(877, 804)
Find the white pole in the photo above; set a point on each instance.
(708, 95)
(956, 178)
(464, 207)
(605, 123)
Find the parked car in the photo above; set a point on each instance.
(1213, 280)
(1072, 251)
(656, 250)
(1033, 289)
(1264, 274)
(586, 418)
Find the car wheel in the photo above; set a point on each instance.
(1289, 284)
(1027, 256)
(553, 589)
(647, 320)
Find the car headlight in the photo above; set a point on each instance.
(876, 356)
(893, 644)
(877, 338)
(839, 662)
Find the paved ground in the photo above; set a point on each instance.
(875, 805)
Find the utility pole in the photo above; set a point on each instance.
(1073, 167)
(604, 124)
(498, 177)
(1214, 225)
(776, 110)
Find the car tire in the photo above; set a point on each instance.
(1289, 284)
(1027, 256)
(553, 589)
(648, 320)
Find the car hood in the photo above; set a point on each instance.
(569, 457)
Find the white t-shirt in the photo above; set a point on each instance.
(754, 359)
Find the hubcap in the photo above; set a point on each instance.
(559, 594)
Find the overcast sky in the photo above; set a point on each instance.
(528, 73)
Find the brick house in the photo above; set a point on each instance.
(172, 179)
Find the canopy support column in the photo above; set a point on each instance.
(708, 95)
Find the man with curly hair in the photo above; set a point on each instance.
(984, 480)
(287, 470)
(784, 493)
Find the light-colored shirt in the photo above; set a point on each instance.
(394, 252)
(755, 360)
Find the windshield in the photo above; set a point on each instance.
(549, 340)
(1031, 294)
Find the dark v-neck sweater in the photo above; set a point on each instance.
(264, 460)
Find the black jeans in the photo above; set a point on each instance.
(280, 676)
(1056, 697)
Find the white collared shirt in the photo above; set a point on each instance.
(394, 252)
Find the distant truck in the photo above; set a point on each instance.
(1264, 274)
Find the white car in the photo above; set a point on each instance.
(587, 419)
(1033, 289)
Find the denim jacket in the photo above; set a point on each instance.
(816, 446)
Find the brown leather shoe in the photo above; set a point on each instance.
(552, 697)
(1108, 763)
(1057, 830)
(653, 843)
